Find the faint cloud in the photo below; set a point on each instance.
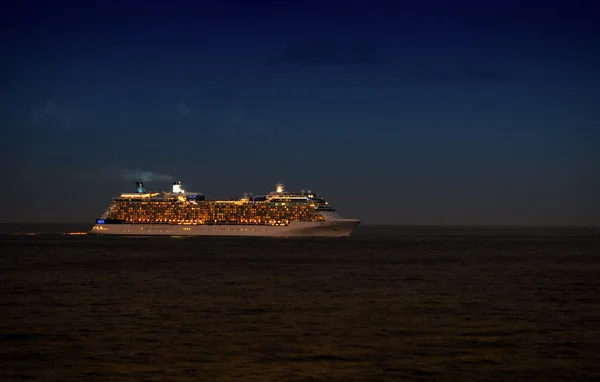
(41, 113)
(144, 176)
(321, 50)
(183, 111)
(50, 115)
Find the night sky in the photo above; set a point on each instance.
(421, 112)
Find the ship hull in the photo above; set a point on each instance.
(334, 228)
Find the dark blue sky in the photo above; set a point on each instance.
(428, 112)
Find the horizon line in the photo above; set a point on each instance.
(362, 224)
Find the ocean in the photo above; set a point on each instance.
(385, 304)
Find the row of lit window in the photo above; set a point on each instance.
(205, 214)
(163, 220)
(201, 222)
(237, 212)
(211, 206)
(200, 215)
(210, 203)
(195, 212)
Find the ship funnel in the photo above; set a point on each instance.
(280, 187)
(140, 187)
(177, 187)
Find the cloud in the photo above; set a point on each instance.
(322, 51)
(183, 110)
(145, 176)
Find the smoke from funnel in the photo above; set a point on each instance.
(145, 176)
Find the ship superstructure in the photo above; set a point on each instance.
(179, 212)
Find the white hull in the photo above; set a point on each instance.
(329, 228)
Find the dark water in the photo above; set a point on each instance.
(387, 304)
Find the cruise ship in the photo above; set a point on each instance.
(181, 213)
